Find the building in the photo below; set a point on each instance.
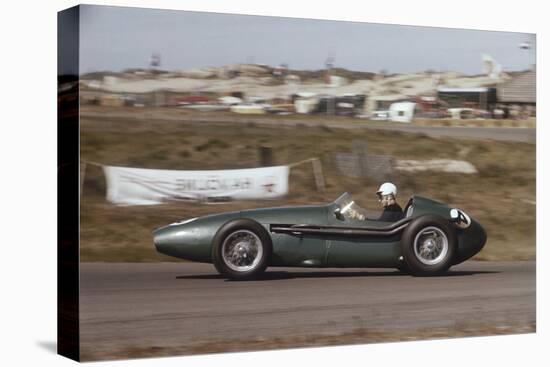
(402, 111)
(520, 90)
(346, 105)
(383, 103)
(480, 98)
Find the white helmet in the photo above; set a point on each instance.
(387, 188)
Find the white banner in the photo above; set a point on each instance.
(138, 186)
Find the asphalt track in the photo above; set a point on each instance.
(140, 309)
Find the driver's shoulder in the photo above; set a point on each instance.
(394, 208)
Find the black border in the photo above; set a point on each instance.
(68, 185)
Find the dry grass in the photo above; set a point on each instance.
(501, 196)
(357, 336)
(525, 123)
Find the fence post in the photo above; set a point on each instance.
(266, 156)
(318, 173)
(360, 149)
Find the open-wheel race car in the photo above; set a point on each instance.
(429, 239)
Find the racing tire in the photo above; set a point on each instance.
(241, 249)
(428, 245)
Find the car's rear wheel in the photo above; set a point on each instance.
(428, 245)
(241, 249)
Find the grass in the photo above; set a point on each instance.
(356, 336)
(526, 123)
(501, 196)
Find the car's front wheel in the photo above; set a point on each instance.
(241, 249)
(428, 245)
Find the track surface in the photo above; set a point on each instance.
(136, 309)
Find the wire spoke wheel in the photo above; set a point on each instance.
(242, 250)
(431, 245)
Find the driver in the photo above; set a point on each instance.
(386, 196)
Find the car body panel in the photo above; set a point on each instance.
(356, 253)
(306, 214)
(470, 241)
(305, 250)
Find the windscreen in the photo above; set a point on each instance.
(349, 209)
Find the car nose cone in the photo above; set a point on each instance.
(160, 236)
(161, 239)
(180, 240)
(167, 239)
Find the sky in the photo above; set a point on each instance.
(117, 38)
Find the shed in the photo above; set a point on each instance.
(402, 111)
(521, 89)
(481, 97)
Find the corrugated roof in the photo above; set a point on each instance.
(522, 88)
